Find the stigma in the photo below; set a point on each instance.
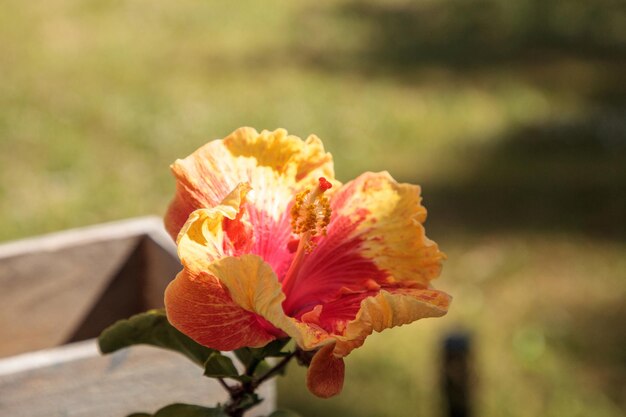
(310, 213)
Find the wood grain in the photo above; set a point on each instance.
(74, 380)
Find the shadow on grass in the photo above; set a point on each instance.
(563, 175)
(567, 176)
(482, 33)
(575, 48)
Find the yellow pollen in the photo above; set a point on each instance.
(310, 215)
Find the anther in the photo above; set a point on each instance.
(310, 213)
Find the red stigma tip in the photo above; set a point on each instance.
(324, 184)
(292, 245)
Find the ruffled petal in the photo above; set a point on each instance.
(390, 218)
(203, 179)
(199, 306)
(196, 302)
(286, 154)
(375, 237)
(275, 164)
(253, 285)
(215, 232)
(326, 372)
(391, 307)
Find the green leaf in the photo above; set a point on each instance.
(254, 357)
(262, 368)
(184, 410)
(284, 413)
(272, 349)
(151, 328)
(220, 366)
(245, 356)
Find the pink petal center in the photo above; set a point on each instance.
(335, 266)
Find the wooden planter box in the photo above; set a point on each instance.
(58, 292)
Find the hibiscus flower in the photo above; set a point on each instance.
(273, 246)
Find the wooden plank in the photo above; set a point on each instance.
(122, 298)
(90, 234)
(46, 295)
(161, 266)
(68, 286)
(75, 381)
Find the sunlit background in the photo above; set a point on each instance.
(510, 114)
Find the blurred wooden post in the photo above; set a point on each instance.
(456, 375)
(58, 293)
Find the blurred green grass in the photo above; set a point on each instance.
(511, 115)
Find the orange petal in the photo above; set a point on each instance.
(375, 237)
(196, 303)
(325, 375)
(390, 218)
(253, 286)
(198, 306)
(283, 153)
(390, 308)
(204, 237)
(203, 179)
(274, 163)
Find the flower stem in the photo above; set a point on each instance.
(242, 396)
(277, 368)
(225, 385)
